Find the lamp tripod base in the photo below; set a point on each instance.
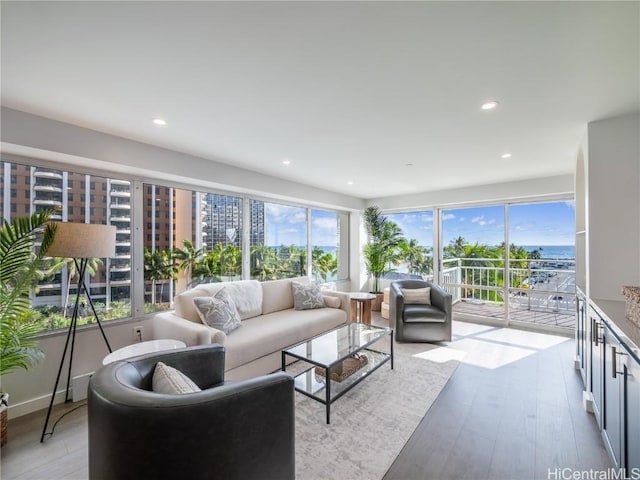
(71, 336)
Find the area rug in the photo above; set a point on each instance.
(372, 422)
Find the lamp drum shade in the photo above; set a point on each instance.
(83, 240)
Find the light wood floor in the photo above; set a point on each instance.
(511, 411)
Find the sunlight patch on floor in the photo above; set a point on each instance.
(442, 354)
(490, 354)
(523, 338)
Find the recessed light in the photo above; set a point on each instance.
(490, 105)
(506, 155)
(349, 182)
(286, 162)
(159, 121)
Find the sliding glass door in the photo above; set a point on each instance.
(530, 282)
(473, 260)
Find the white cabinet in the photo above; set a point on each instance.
(614, 380)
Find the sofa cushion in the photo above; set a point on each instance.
(277, 294)
(423, 314)
(307, 297)
(171, 381)
(246, 294)
(420, 296)
(218, 311)
(276, 331)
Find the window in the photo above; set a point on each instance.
(325, 242)
(188, 236)
(278, 241)
(110, 286)
(414, 253)
(190, 245)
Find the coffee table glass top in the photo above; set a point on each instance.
(338, 344)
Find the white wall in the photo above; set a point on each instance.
(23, 133)
(613, 205)
(31, 391)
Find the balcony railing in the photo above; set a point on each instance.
(537, 291)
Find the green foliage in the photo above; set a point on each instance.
(20, 267)
(381, 253)
(323, 264)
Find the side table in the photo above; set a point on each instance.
(141, 348)
(361, 307)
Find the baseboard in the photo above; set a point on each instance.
(40, 403)
(587, 401)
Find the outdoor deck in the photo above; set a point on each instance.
(559, 319)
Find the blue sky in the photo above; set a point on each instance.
(287, 225)
(551, 223)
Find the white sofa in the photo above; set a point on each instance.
(269, 323)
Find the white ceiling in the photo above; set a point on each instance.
(345, 91)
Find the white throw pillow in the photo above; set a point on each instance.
(171, 381)
(420, 296)
(306, 297)
(333, 302)
(218, 311)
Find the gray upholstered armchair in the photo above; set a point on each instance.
(238, 430)
(419, 322)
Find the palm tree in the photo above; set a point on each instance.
(381, 251)
(158, 265)
(323, 264)
(92, 267)
(293, 261)
(455, 249)
(20, 266)
(536, 254)
(231, 260)
(189, 257)
(415, 255)
(264, 262)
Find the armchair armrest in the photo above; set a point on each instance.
(441, 299)
(169, 325)
(396, 305)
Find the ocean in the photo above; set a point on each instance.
(554, 252)
(550, 252)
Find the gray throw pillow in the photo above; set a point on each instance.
(218, 311)
(169, 380)
(306, 297)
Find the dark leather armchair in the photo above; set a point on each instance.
(238, 430)
(417, 322)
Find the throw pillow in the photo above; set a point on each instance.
(417, 295)
(218, 311)
(333, 302)
(306, 297)
(171, 381)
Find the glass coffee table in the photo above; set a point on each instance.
(330, 350)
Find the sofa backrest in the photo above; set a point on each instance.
(278, 295)
(246, 294)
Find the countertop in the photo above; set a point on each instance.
(627, 331)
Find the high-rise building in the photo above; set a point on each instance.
(74, 197)
(222, 221)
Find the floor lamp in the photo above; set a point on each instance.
(80, 241)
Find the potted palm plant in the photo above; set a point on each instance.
(20, 267)
(383, 239)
